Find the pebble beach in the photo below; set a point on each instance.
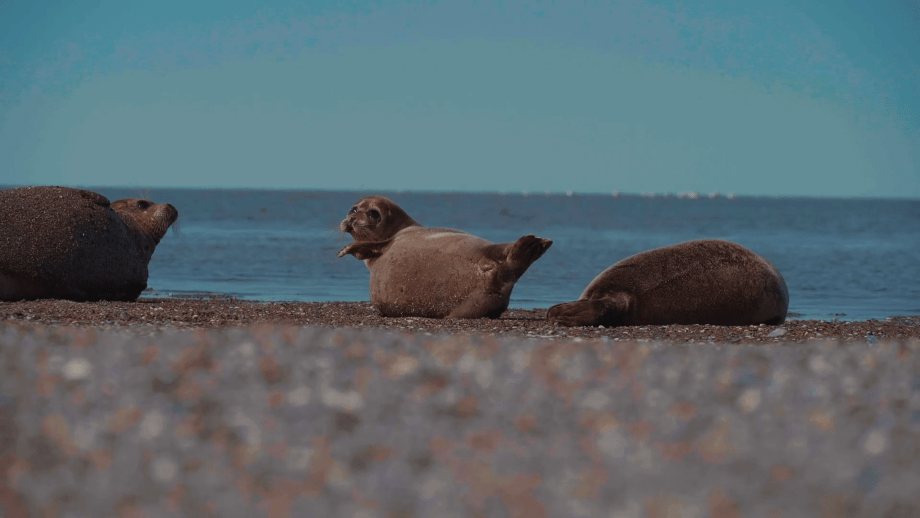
(224, 407)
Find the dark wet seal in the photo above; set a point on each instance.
(62, 243)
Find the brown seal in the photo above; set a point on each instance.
(434, 272)
(58, 242)
(708, 281)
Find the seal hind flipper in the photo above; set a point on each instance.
(513, 259)
(365, 249)
(594, 312)
(518, 257)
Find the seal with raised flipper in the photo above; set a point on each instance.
(708, 281)
(434, 272)
(63, 243)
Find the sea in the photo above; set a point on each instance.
(845, 259)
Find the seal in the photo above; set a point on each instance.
(63, 243)
(434, 272)
(708, 281)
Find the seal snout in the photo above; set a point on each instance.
(168, 212)
(163, 218)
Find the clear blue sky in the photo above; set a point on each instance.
(809, 97)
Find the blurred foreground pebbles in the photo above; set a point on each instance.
(310, 421)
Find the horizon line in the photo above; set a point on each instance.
(689, 195)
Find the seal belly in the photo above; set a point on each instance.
(429, 277)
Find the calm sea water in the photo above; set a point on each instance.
(849, 259)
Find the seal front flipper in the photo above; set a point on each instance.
(365, 249)
(596, 312)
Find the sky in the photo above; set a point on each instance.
(780, 98)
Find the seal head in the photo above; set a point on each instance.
(147, 220)
(375, 218)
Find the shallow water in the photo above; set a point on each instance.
(841, 258)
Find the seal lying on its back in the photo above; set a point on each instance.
(699, 282)
(57, 242)
(434, 272)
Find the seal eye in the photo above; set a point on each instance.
(143, 204)
(373, 214)
(353, 210)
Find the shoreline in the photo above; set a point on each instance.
(201, 314)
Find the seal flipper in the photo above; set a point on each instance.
(365, 249)
(596, 312)
(512, 260)
(515, 258)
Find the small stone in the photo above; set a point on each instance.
(164, 469)
(152, 424)
(349, 401)
(77, 369)
(299, 396)
(749, 400)
(779, 331)
(819, 365)
(595, 400)
(875, 442)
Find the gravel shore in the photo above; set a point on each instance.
(225, 408)
(152, 313)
